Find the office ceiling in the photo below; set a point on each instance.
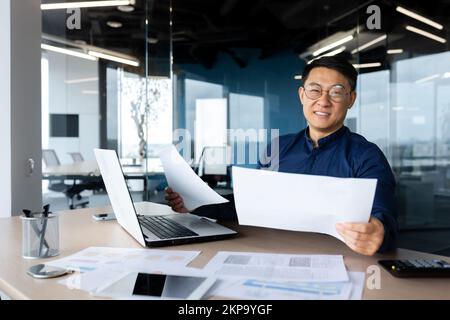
(204, 28)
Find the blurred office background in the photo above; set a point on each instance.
(125, 77)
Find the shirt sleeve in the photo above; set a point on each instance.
(373, 164)
(222, 211)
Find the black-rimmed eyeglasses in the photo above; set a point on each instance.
(336, 93)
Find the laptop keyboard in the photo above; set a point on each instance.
(165, 228)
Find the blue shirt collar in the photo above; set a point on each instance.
(325, 140)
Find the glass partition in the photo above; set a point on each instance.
(400, 50)
(106, 83)
(227, 75)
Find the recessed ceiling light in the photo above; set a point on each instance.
(114, 24)
(110, 57)
(152, 40)
(332, 45)
(419, 17)
(68, 52)
(81, 80)
(125, 8)
(367, 65)
(368, 44)
(329, 54)
(394, 51)
(426, 34)
(95, 92)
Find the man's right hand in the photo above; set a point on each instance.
(175, 201)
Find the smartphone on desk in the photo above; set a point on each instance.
(104, 216)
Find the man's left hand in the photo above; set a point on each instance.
(364, 238)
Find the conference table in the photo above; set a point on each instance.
(88, 170)
(79, 231)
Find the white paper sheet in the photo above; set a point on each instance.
(278, 267)
(273, 290)
(93, 258)
(247, 288)
(357, 279)
(183, 180)
(90, 281)
(94, 265)
(300, 202)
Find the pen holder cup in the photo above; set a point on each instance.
(40, 236)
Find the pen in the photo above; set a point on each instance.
(44, 227)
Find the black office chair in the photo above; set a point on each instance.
(71, 191)
(95, 184)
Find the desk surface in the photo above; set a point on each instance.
(78, 231)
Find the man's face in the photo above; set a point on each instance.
(326, 114)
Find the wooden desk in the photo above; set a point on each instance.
(78, 231)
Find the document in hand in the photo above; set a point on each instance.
(183, 180)
(300, 202)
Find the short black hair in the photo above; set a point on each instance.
(338, 64)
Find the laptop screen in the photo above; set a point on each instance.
(118, 192)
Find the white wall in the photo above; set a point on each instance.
(5, 108)
(74, 98)
(20, 105)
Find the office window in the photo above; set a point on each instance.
(64, 125)
(84, 54)
(210, 124)
(372, 108)
(145, 115)
(403, 84)
(246, 112)
(197, 96)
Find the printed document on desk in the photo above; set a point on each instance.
(98, 264)
(93, 258)
(248, 288)
(278, 267)
(183, 180)
(300, 202)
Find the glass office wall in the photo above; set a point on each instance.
(238, 65)
(106, 83)
(402, 107)
(404, 73)
(260, 102)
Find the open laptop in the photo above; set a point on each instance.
(155, 230)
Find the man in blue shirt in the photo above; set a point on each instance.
(328, 148)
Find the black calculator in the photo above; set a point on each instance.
(417, 268)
